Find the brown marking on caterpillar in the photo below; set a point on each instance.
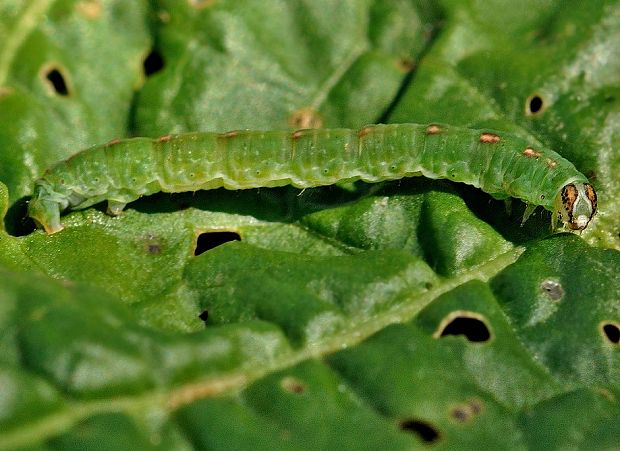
(230, 134)
(531, 153)
(113, 142)
(551, 163)
(489, 138)
(164, 139)
(591, 194)
(569, 197)
(297, 134)
(365, 131)
(433, 129)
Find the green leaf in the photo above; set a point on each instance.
(67, 74)
(390, 316)
(278, 64)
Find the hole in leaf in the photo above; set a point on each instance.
(204, 316)
(422, 429)
(467, 324)
(153, 248)
(534, 105)
(209, 240)
(153, 63)
(292, 385)
(57, 81)
(611, 332)
(552, 289)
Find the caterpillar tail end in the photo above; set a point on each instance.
(46, 214)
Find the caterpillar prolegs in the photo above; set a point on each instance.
(504, 166)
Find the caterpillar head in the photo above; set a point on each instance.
(576, 205)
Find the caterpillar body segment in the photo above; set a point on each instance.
(502, 165)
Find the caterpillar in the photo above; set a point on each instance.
(504, 166)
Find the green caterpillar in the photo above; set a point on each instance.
(501, 165)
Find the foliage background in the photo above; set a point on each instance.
(397, 315)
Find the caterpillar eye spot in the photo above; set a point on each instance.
(204, 316)
(542, 197)
(257, 173)
(56, 79)
(534, 105)
(325, 171)
(153, 63)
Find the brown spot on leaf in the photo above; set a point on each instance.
(305, 118)
(433, 129)
(467, 411)
(489, 138)
(552, 289)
